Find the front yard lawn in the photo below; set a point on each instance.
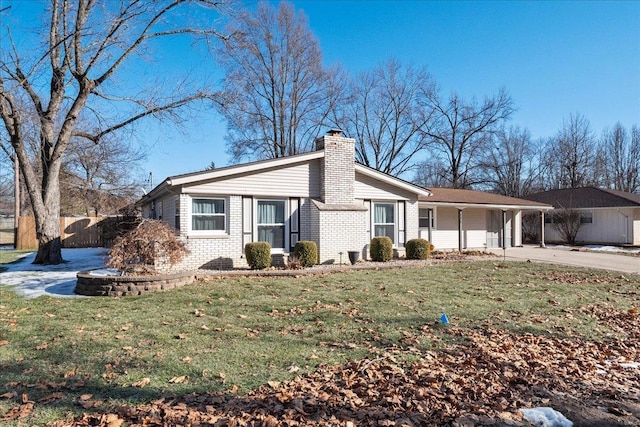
(354, 344)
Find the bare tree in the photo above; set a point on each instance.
(621, 153)
(571, 155)
(384, 115)
(82, 59)
(6, 184)
(276, 93)
(101, 178)
(567, 223)
(510, 163)
(432, 172)
(459, 132)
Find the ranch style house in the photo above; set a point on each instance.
(327, 197)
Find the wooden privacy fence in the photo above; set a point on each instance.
(75, 232)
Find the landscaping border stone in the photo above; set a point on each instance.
(117, 286)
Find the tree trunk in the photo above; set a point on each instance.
(47, 216)
(49, 242)
(50, 246)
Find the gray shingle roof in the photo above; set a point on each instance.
(586, 197)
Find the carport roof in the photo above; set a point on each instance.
(586, 197)
(453, 196)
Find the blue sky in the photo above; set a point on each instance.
(555, 58)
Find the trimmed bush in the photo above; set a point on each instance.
(306, 252)
(418, 249)
(381, 249)
(258, 255)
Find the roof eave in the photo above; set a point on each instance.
(244, 168)
(488, 205)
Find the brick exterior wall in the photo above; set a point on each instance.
(337, 170)
(309, 221)
(342, 231)
(412, 222)
(213, 252)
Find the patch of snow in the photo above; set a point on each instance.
(630, 365)
(627, 365)
(606, 248)
(54, 280)
(105, 272)
(545, 417)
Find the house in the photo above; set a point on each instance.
(323, 196)
(467, 219)
(606, 216)
(326, 197)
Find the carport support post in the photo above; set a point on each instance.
(430, 222)
(542, 229)
(504, 235)
(504, 230)
(460, 238)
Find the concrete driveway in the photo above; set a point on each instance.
(579, 258)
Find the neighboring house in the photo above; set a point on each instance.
(323, 196)
(467, 219)
(606, 216)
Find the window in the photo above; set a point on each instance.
(208, 215)
(586, 218)
(384, 220)
(423, 217)
(271, 222)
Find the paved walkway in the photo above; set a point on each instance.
(573, 257)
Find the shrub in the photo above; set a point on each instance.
(381, 249)
(150, 241)
(418, 249)
(258, 255)
(111, 228)
(306, 252)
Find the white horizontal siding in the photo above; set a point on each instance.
(636, 227)
(298, 180)
(608, 226)
(444, 239)
(445, 235)
(474, 224)
(367, 187)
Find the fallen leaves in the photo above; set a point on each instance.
(179, 379)
(483, 378)
(141, 383)
(479, 376)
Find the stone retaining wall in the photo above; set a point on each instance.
(117, 286)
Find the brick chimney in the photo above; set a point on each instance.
(337, 173)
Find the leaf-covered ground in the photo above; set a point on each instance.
(249, 352)
(484, 379)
